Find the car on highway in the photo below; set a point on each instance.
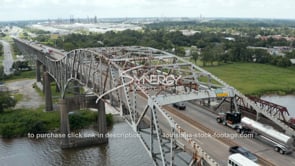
(243, 151)
(179, 105)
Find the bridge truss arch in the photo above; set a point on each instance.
(141, 81)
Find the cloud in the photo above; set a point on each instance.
(25, 9)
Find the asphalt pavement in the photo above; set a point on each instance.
(31, 99)
(8, 60)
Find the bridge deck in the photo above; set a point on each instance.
(123, 73)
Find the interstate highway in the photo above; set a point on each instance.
(258, 147)
(214, 147)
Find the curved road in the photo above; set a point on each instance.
(8, 60)
(31, 99)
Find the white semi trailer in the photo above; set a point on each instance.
(282, 143)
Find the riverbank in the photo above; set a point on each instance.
(256, 79)
(28, 115)
(19, 122)
(119, 151)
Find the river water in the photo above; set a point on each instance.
(118, 152)
(287, 101)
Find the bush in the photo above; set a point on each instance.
(7, 130)
(15, 123)
(20, 122)
(37, 127)
(109, 119)
(81, 119)
(6, 101)
(21, 75)
(76, 121)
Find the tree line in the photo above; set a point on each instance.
(1, 49)
(211, 47)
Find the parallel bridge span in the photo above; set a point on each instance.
(116, 71)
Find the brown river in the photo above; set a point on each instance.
(46, 152)
(287, 101)
(118, 152)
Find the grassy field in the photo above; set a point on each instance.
(19, 122)
(256, 79)
(22, 75)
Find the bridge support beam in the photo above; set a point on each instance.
(47, 89)
(64, 122)
(57, 88)
(38, 72)
(101, 120)
(72, 139)
(43, 80)
(76, 88)
(257, 116)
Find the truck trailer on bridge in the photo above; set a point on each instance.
(281, 142)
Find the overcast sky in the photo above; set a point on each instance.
(44, 9)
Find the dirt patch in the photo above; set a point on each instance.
(31, 99)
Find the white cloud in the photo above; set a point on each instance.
(28, 9)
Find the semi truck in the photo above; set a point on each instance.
(230, 119)
(282, 143)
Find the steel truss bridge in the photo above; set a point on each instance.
(141, 82)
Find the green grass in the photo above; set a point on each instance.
(55, 94)
(20, 122)
(82, 118)
(1, 60)
(18, 97)
(22, 75)
(38, 90)
(7, 38)
(256, 79)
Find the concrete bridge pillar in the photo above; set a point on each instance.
(47, 89)
(43, 80)
(76, 88)
(101, 120)
(38, 72)
(258, 116)
(57, 88)
(113, 100)
(64, 122)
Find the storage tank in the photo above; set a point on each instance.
(267, 131)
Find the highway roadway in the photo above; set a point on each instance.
(220, 152)
(217, 149)
(8, 60)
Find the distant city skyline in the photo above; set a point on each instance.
(11, 10)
